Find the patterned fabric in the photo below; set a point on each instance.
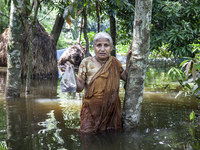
(88, 68)
(101, 106)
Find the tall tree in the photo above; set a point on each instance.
(14, 50)
(111, 9)
(113, 34)
(55, 33)
(80, 30)
(97, 12)
(30, 54)
(59, 22)
(138, 62)
(85, 32)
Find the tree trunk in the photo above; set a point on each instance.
(80, 30)
(113, 34)
(14, 51)
(138, 62)
(85, 32)
(97, 12)
(26, 9)
(30, 55)
(55, 33)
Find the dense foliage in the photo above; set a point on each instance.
(5, 16)
(189, 74)
(124, 12)
(175, 23)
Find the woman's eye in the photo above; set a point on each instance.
(98, 45)
(106, 45)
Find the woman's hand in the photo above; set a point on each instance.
(69, 64)
(80, 83)
(128, 56)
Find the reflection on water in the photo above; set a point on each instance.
(49, 119)
(41, 123)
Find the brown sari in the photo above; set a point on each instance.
(101, 106)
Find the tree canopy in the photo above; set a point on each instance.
(175, 23)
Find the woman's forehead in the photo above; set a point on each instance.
(102, 40)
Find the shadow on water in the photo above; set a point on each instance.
(49, 119)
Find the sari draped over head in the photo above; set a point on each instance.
(101, 106)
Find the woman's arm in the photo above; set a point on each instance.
(80, 83)
(124, 75)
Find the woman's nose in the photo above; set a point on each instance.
(102, 47)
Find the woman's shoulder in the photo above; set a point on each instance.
(118, 62)
(86, 59)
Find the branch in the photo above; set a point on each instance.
(1, 13)
(23, 23)
(46, 15)
(80, 11)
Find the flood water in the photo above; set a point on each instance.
(49, 119)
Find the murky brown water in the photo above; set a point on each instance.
(49, 120)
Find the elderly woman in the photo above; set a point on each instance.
(100, 77)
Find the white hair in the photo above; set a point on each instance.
(103, 35)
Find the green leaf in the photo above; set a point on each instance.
(174, 72)
(198, 82)
(192, 116)
(15, 2)
(66, 13)
(118, 2)
(184, 63)
(181, 37)
(192, 132)
(195, 89)
(9, 2)
(85, 4)
(71, 10)
(188, 86)
(197, 66)
(75, 6)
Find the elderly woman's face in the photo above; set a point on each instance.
(102, 49)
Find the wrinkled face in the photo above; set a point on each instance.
(102, 49)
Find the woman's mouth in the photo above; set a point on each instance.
(102, 54)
